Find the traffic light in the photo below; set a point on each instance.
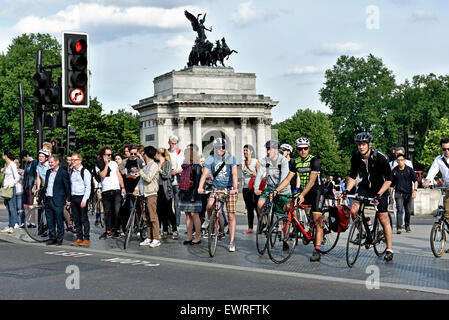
(41, 81)
(72, 139)
(50, 121)
(75, 70)
(52, 95)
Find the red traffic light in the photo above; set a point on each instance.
(79, 46)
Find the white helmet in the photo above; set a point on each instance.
(45, 152)
(286, 146)
(302, 142)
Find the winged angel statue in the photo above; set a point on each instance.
(203, 51)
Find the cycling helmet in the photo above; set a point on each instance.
(286, 146)
(272, 144)
(219, 143)
(363, 137)
(45, 152)
(302, 142)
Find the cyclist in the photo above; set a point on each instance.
(223, 167)
(275, 167)
(441, 164)
(373, 167)
(308, 168)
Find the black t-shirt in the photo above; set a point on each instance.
(375, 174)
(403, 179)
(130, 179)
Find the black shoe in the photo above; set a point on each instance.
(59, 243)
(187, 242)
(316, 256)
(116, 234)
(51, 242)
(388, 256)
(105, 235)
(285, 246)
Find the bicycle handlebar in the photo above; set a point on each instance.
(361, 198)
(225, 191)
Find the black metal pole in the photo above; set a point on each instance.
(22, 118)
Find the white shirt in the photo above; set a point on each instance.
(393, 164)
(176, 162)
(111, 182)
(439, 166)
(11, 175)
(80, 186)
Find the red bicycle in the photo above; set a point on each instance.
(285, 231)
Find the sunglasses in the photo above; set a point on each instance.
(108, 154)
(301, 149)
(133, 154)
(445, 149)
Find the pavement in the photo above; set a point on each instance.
(414, 267)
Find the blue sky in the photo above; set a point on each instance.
(288, 44)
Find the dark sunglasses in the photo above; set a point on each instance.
(108, 154)
(300, 149)
(445, 149)
(133, 154)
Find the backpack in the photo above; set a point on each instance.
(185, 182)
(339, 218)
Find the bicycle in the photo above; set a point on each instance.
(284, 233)
(136, 223)
(215, 220)
(36, 222)
(264, 223)
(360, 232)
(440, 227)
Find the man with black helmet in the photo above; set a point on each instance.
(374, 170)
(308, 169)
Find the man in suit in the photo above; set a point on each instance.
(57, 195)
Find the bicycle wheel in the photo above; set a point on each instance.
(262, 232)
(142, 227)
(354, 242)
(438, 239)
(379, 242)
(36, 224)
(330, 238)
(213, 230)
(129, 227)
(282, 240)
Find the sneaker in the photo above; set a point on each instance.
(11, 230)
(146, 242)
(105, 235)
(16, 226)
(205, 235)
(205, 224)
(399, 231)
(5, 230)
(316, 256)
(231, 247)
(175, 235)
(407, 229)
(31, 225)
(388, 256)
(155, 243)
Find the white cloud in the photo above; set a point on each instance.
(88, 15)
(421, 15)
(247, 13)
(179, 42)
(304, 70)
(327, 49)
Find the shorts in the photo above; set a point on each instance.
(231, 200)
(383, 203)
(315, 199)
(28, 197)
(282, 200)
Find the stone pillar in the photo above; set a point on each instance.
(161, 134)
(197, 134)
(243, 132)
(180, 133)
(261, 152)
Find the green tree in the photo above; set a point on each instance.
(317, 127)
(18, 64)
(360, 94)
(432, 142)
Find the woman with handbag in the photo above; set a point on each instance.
(249, 169)
(8, 190)
(189, 199)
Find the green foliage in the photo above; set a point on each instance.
(360, 94)
(317, 127)
(432, 146)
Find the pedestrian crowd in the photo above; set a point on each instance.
(171, 181)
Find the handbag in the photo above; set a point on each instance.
(261, 186)
(6, 193)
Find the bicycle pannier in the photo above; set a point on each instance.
(340, 217)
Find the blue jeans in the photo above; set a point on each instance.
(20, 211)
(11, 205)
